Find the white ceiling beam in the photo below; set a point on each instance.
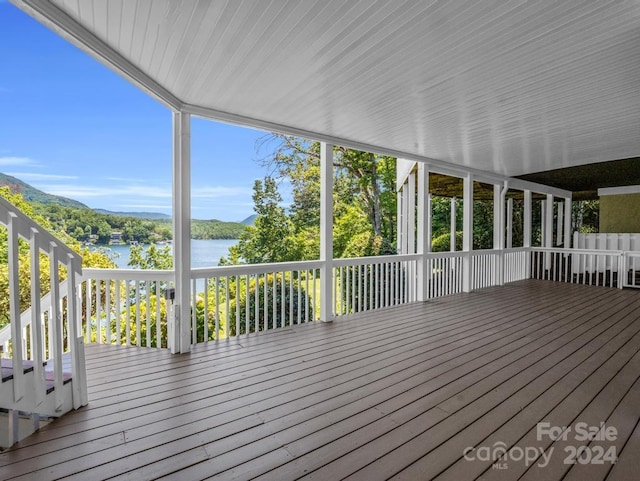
(627, 189)
(523, 185)
(54, 18)
(435, 165)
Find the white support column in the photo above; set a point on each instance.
(467, 231)
(452, 231)
(499, 265)
(548, 228)
(429, 235)
(399, 223)
(509, 223)
(543, 222)
(526, 230)
(405, 219)
(326, 232)
(411, 214)
(560, 224)
(180, 338)
(424, 229)
(567, 222)
(498, 231)
(497, 215)
(526, 227)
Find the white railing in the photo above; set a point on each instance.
(126, 306)
(231, 301)
(632, 269)
(367, 283)
(28, 332)
(444, 273)
(516, 264)
(133, 307)
(578, 266)
(607, 241)
(488, 268)
(485, 268)
(41, 348)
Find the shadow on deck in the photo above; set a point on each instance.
(399, 393)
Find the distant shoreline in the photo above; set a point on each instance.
(204, 252)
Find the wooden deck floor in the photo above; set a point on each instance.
(394, 394)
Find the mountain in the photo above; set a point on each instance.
(32, 194)
(138, 215)
(251, 220)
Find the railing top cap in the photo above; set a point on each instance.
(26, 227)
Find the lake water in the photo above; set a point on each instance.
(204, 253)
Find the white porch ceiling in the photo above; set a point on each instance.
(506, 86)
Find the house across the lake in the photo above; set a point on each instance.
(521, 361)
(116, 238)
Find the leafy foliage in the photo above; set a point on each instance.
(31, 194)
(269, 239)
(586, 215)
(151, 257)
(281, 289)
(364, 205)
(137, 332)
(89, 259)
(442, 243)
(216, 229)
(86, 225)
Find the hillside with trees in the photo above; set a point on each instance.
(31, 194)
(87, 225)
(96, 226)
(89, 258)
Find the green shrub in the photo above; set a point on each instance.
(442, 243)
(286, 298)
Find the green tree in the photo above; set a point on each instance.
(360, 176)
(482, 224)
(350, 222)
(269, 239)
(586, 215)
(89, 259)
(151, 257)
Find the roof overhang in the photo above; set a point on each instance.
(585, 181)
(508, 87)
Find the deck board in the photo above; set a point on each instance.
(395, 393)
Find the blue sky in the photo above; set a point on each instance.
(72, 127)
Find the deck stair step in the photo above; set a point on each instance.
(26, 424)
(21, 419)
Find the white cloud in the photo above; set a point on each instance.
(144, 206)
(31, 176)
(146, 191)
(84, 192)
(199, 205)
(7, 161)
(219, 191)
(130, 189)
(128, 180)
